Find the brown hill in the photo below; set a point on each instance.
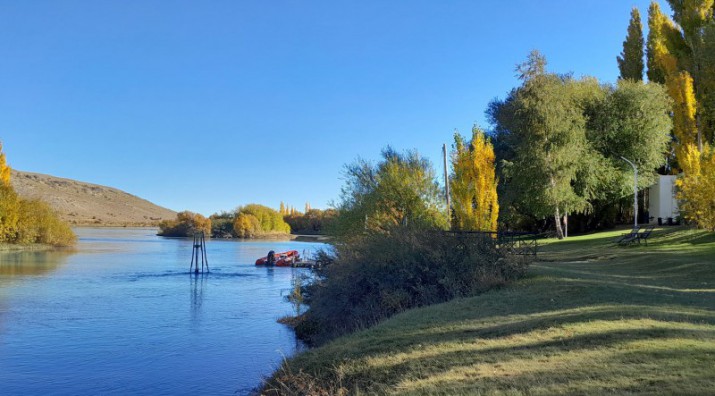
(83, 203)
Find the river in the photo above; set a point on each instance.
(122, 315)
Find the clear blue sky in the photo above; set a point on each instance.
(209, 105)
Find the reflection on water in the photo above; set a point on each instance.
(123, 315)
(197, 280)
(20, 263)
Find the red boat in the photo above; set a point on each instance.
(285, 259)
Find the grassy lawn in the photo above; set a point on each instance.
(591, 318)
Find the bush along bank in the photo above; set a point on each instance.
(382, 274)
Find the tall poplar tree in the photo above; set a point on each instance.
(680, 54)
(473, 185)
(4, 169)
(630, 62)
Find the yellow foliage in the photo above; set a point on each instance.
(9, 213)
(685, 129)
(246, 225)
(38, 223)
(473, 186)
(28, 221)
(4, 170)
(186, 224)
(696, 187)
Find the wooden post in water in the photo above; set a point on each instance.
(199, 251)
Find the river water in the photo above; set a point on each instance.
(122, 315)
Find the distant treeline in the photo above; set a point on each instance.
(312, 222)
(249, 221)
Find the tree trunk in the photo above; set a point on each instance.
(557, 218)
(566, 225)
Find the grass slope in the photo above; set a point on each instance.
(591, 318)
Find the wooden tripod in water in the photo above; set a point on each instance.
(199, 251)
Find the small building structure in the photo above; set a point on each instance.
(662, 204)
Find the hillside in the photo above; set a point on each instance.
(83, 203)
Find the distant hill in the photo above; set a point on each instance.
(83, 203)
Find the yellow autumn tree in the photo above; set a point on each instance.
(247, 225)
(681, 54)
(25, 221)
(696, 187)
(4, 169)
(473, 185)
(668, 64)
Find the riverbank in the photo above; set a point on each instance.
(34, 247)
(590, 318)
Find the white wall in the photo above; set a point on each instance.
(662, 202)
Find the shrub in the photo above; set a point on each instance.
(31, 221)
(381, 274)
(186, 224)
(38, 223)
(401, 189)
(221, 227)
(28, 221)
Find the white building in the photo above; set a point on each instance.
(662, 203)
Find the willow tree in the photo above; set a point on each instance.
(630, 62)
(560, 141)
(473, 185)
(545, 131)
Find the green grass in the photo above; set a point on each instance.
(591, 318)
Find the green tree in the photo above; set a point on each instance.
(546, 132)
(561, 140)
(400, 189)
(473, 185)
(630, 62)
(631, 120)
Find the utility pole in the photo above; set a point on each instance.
(446, 184)
(635, 192)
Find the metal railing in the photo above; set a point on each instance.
(510, 242)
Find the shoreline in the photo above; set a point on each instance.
(33, 247)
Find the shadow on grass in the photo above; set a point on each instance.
(649, 371)
(592, 317)
(523, 353)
